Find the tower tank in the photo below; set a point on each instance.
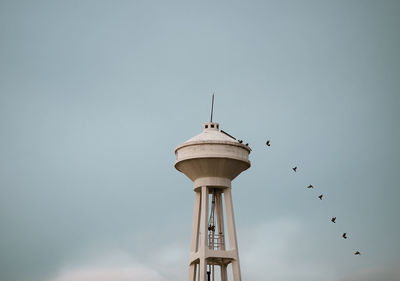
(212, 154)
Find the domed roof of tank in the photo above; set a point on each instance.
(211, 132)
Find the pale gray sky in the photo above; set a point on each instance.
(95, 96)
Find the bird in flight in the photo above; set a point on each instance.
(310, 186)
(320, 197)
(344, 235)
(357, 253)
(333, 219)
(294, 168)
(268, 143)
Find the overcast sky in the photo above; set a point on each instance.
(96, 95)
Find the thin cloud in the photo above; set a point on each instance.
(112, 266)
(124, 273)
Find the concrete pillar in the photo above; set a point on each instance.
(230, 220)
(224, 276)
(194, 246)
(203, 233)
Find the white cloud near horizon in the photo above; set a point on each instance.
(114, 273)
(113, 266)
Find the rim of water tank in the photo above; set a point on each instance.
(213, 142)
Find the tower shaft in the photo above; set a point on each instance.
(208, 249)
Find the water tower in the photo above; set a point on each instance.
(212, 160)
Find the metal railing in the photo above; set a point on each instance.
(216, 241)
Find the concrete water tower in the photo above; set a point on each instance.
(212, 160)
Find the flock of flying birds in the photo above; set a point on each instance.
(333, 219)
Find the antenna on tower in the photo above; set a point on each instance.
(212, 106)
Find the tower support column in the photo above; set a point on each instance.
(230, 219)
(203, 233)
(194, 246)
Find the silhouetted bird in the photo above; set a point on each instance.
(240, 141)
(268, 143)
(333, 219)
(310, 186)
(320, 197)
(294, 169)
(247, 144)
(357, 253)
(344, 235)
